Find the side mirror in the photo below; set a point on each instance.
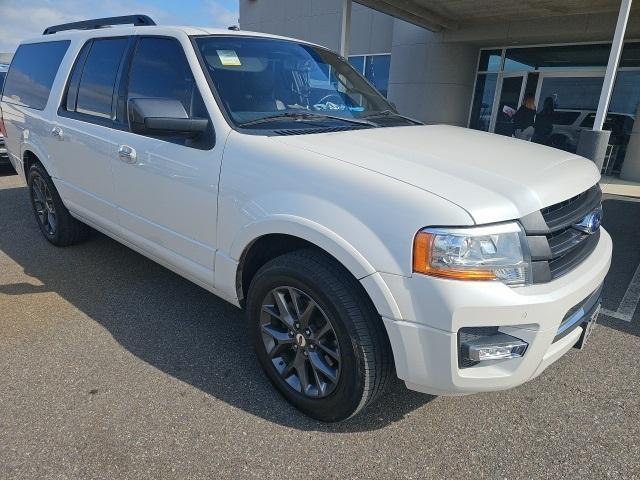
(163, 117)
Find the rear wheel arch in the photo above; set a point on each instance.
(30, 155)
(28, 159)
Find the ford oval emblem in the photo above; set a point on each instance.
(591, 221)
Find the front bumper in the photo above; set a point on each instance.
(425, 340)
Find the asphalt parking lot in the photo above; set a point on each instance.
(111, 366)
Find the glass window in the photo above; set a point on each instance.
(588, 121)
(357, 62)
(508, 104)
(630, 55)
(578, 93)
(377, 72)
(563, 57)
(265, 83)
(74, 81)
(160, 69)
(95, 91)
(483, 101)
(621, 116)
(567, 117)
(32, 73)
(490, 60)
(2, 75)
(626, 93)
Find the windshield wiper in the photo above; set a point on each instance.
(386, 113)
(306, 116)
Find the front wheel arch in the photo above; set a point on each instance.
(264, 248)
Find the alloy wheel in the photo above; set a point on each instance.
(300, 341)
(43, 203)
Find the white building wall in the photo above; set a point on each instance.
(431, 80)
(319, 21)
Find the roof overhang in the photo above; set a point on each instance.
(439, 15)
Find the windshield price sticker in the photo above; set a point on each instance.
(229, 58)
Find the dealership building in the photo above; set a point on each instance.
(471, 63)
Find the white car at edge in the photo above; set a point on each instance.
(361, 243)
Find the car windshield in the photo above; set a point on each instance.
(265, 83)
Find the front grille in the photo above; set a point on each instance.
(556, 247)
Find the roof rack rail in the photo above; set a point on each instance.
(135, 20)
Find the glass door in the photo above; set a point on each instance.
(511, 92)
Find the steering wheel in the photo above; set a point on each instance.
(326, 98)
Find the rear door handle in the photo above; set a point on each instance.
(127, 154)
(57, 132)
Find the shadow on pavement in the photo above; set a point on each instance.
(165, 320)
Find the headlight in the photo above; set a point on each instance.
(495, 252)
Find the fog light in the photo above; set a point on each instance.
(482, 344)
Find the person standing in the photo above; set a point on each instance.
(543, 125)
(524, 118)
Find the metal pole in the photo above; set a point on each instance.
(345, 34)
(612, 66)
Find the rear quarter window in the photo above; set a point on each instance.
(32, 72)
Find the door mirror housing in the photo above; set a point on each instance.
(163, 117)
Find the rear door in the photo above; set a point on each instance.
(82, 139)
(167, 187)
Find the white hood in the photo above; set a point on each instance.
(494, 178)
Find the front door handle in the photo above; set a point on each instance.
(56, 132)
(127, 154)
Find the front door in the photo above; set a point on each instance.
(167, 187)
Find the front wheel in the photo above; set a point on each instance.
(317, 335)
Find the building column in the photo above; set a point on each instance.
(345, 33)
(593, 143)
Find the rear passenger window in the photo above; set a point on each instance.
(32, 72)
(97, 82)
(159, 69)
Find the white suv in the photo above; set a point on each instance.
(360, 243)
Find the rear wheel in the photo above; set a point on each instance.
(317, 335)
(55, 222)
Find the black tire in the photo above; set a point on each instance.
(365, 366)
(64, 230)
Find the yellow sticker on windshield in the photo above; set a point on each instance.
(229, 58)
